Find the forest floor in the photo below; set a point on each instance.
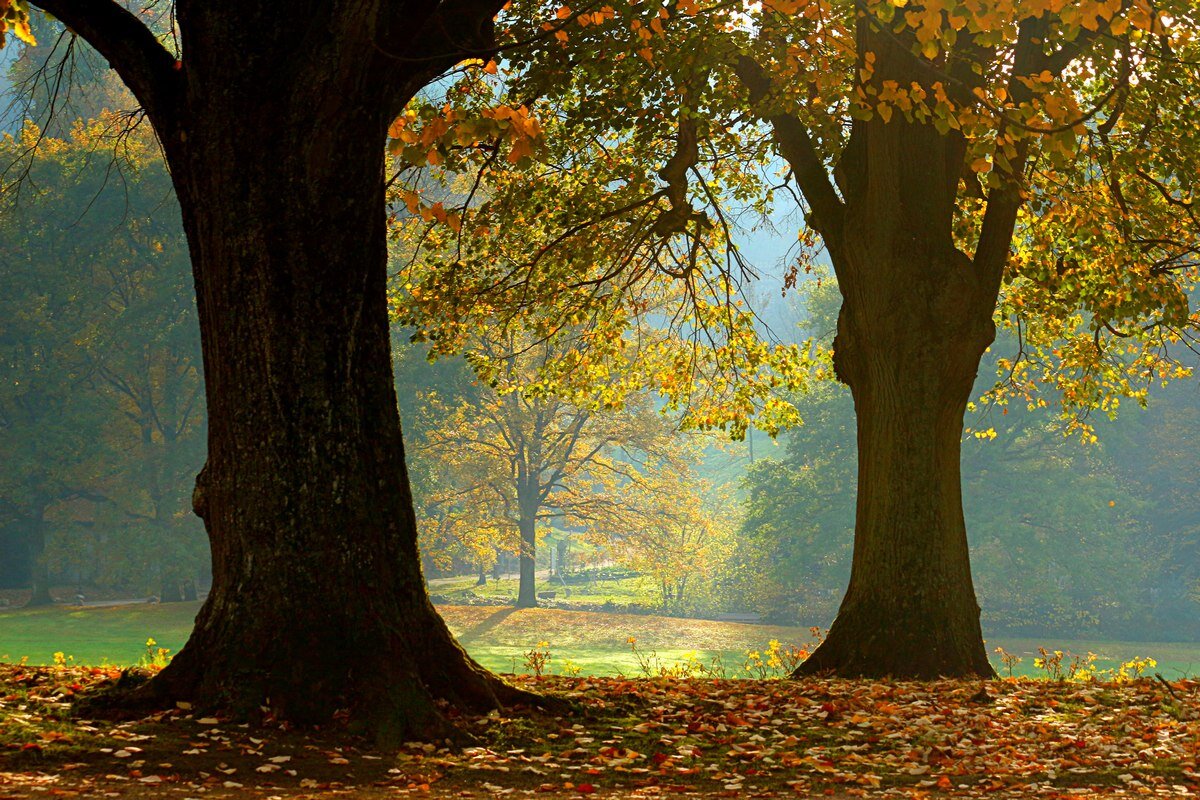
(643, 738)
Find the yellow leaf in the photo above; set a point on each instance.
(21, 29)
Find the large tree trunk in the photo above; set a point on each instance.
(317, 601)
(915, 320)
(910, 610)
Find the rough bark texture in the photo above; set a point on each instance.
(916, 318)
(274, 126)
(909, 350)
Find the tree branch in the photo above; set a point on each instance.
(130, 48)
(797, 148)
(1004, 202)
(449, 31)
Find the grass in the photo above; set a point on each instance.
(599, 643)
(625, 591)
(113, 635)
(499, 637)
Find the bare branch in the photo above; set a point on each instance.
(146, 67)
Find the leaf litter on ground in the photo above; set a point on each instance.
(659, 737)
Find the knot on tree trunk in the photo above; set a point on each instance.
(199, 497)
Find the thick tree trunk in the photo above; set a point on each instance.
(915, 320)
(909, 350)
(527, 588)
(317, 602)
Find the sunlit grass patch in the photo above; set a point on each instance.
(94, 635)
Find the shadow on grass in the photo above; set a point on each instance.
(486, 626)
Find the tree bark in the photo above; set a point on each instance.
(910, 610)
(274, 126)
(40, 583)
(318, 601)
(527, 588)
(911, 331)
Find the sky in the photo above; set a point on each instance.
(7, 54)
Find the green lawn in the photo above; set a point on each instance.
(499, 636)
(626, 591)
(116, 635)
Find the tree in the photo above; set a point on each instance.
(46, 403)
(681, 535)
(942, 153)
(921, 248)
(103, 368)
(1058, 542)
(521, 456)
(273, 126)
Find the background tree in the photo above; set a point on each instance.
(103, 375)
(682, 536)
(522, 456)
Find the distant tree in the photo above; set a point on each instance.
(520, 456)
(1154, 454)
(681, 537)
